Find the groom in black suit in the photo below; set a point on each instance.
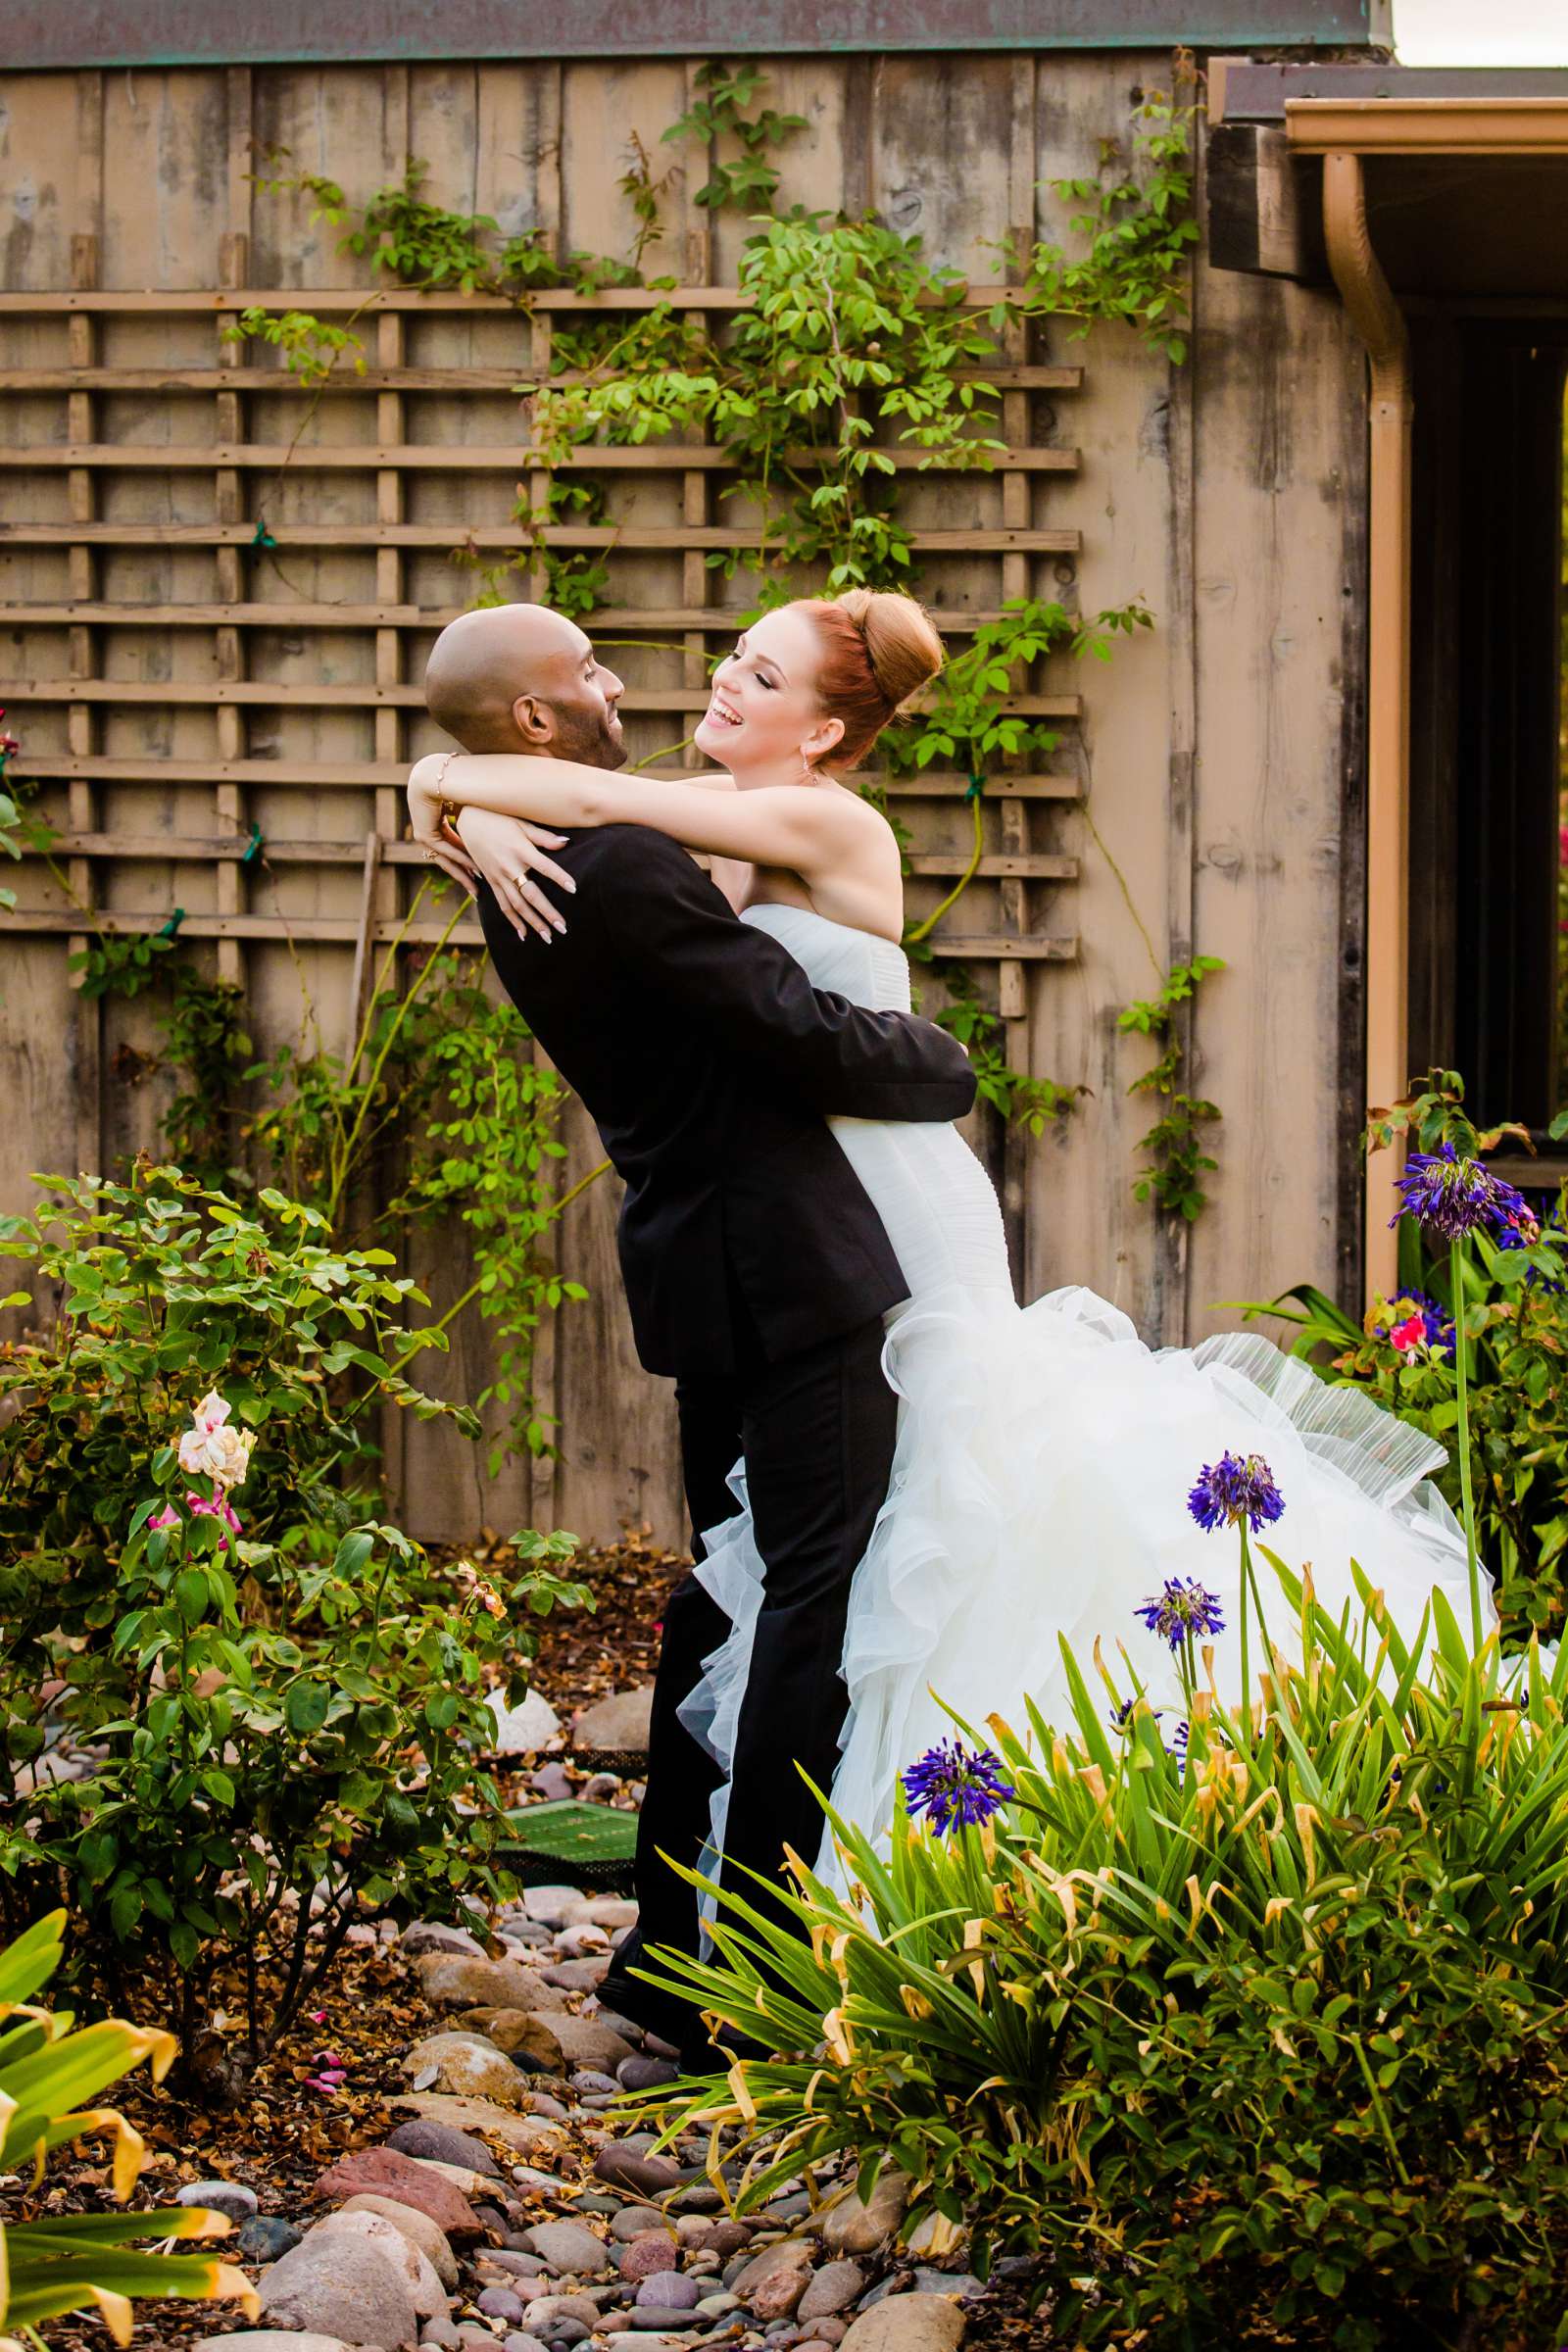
(757, 1270)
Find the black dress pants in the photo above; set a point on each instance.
(817, 1431)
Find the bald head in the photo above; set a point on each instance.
(521, 678)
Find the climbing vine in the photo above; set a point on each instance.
(1177, 1161)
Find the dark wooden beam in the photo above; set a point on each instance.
(1266, 212)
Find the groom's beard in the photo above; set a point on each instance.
(594, 738)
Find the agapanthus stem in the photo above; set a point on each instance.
(1246, 1677)
(1460, 1353)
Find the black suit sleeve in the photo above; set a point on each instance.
(667, 923)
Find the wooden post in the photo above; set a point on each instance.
(545, 1365)
(1017, 513)
(233, 271)
(81, 720)
(1166, 1322)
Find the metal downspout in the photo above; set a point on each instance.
(1380, 324)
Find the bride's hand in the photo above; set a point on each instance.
(434, 836)
(508, 851)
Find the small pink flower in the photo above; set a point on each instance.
(318, 2017)
(322, 2083)
(1409, 1337)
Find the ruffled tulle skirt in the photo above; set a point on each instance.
(1039, 1492)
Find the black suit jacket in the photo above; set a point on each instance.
(708, 1061)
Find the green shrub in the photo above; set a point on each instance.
(284, 1703)
(1516, 1334)
(1269, 2031)
(84, 2262)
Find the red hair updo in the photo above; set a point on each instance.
(877, 648)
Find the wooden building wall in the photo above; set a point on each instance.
(1217, 759)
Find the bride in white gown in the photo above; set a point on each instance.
(1043, 1454)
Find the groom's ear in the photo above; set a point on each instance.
(534, 721)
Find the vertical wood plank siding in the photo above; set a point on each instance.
(1217, 756)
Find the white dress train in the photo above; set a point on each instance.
(1042, 1467)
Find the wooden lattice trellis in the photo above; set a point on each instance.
(368, 494)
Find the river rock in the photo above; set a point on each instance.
(636, 2221)
(345, 2286)
(506, 2029)
(466, 2067)
(521, 1729)
(430, 1936)
(580, 1975)
(669, 2290)
(457, 1981)
(272, 2339)
(774, 2282)
(581, 2310)
(852, 2228)
(645, 2175)
(522, 2134)
(425, 2138)
(418, 2227)
(834, 2286)
(724, 2238)
(645, 2074)
(908, 2324)
(567, 2248)
(420, 2274)
(647, 2255)
(221, 2196)
(621, 1721)
(407, 2181)
(265, 2236)
(561, 2042)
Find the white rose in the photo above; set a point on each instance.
(212, 1448)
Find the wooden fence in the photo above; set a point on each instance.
(221, 608)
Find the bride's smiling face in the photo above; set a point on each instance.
(764, 719)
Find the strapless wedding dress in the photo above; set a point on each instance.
(1042, 1467)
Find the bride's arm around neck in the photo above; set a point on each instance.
(836, 842)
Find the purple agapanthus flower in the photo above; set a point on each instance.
(1181, 1612)
(955, 1786)
(1452, 1195)
(1236, 1487)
